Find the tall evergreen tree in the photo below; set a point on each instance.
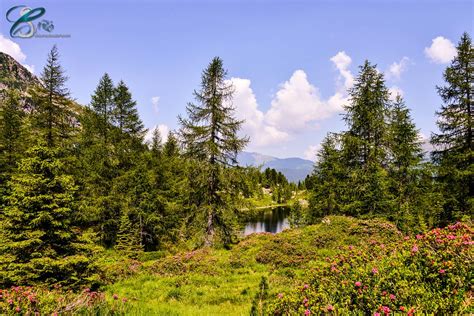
(327, 180)
(210, 136)
(454, 145)
(53, 115)
(125, 113)
(103, 104)
(39, 243)
(364, 144)
(405, 157)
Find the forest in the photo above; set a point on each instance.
(96, 220)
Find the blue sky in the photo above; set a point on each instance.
(290, 61)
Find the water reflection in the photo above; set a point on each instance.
(270, 221)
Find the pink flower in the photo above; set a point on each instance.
(358, 284)
(406, 237)
(441, 271)
(419, 236)
(280, 295)
(305, 300)
(375, 271)
(376, 314)
(402, 308)
(392, 297)
(18, 309)
(330, 308)
(115, 296)
(351, 247)
(307, 312)
(386, 310)
(124, 300)
(451, 237)
(384, 293)
(10, 301)
(305, 287)
(414, 249)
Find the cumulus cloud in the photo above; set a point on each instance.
(396, 69)
(342, 62)
(155, 101)
(11, 48)
(311, 152)
(441, 51)
(394, 91)
(254, 126)
(296, 106)
(162, 128)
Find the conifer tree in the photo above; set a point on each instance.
(125, 113)
(39, 243)
(210, 136)
(53, 116)
(103, 104)
(128, 237)
(327, 180)
(454, 145)
(364, 144)
(405, 158)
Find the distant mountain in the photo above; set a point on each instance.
(294, 169)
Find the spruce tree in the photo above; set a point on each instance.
(327, 180)
(125, 114)
(103, 104)
(364, 144)
(53, 115)
(39, 242)
(210, 136)
(128, 237)
(454, 145)
(404, 164)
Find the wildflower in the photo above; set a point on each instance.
(419, 236)
(451, 237)
(376, 314)
(115, 296)
(406, 237)
(384, 293)
(18, 309)
(124, 300)
(306, 286)
(386, 310)
(307, 312)
(305, 300)
(358, 284)
(351, 247)
(280, 295)
(402, 308)
(375, 271)
(10, 301)
(330, 308)
(87, 290)
(441, 271)
(414, 249)
(392, 297)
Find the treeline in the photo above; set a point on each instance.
(377, 168)
(74, 178)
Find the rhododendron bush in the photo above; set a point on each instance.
(429, 273)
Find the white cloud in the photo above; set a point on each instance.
(254, 126)
(155, 101)
(11, 48)
(441, 51)
(311, 152)
(162, 128)
(394, 91)
(396, 69)
(297, 106)
(342, 62)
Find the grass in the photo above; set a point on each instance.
(224, 282)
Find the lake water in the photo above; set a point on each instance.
(270, 220)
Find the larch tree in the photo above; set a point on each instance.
(210, 136)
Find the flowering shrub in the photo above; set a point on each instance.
(26, 300)
(429, 273)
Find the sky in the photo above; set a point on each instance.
(291, 62)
